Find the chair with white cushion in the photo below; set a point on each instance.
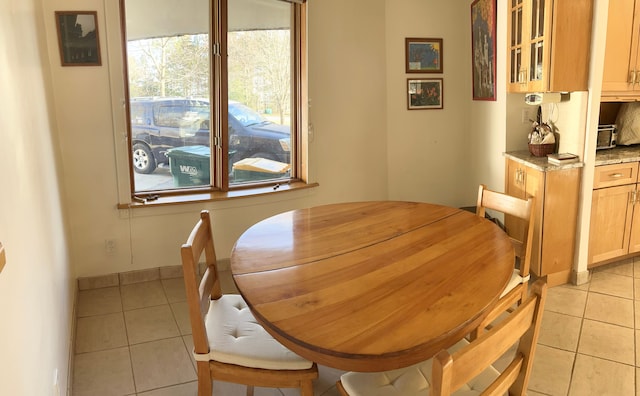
(466, 368)
(521, 238)
(229, 344)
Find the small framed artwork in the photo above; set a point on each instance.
(483, 48)
(423, 55)
(78, 38)
(424, 93)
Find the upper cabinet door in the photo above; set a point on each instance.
(517, 76)
(548, 45)
(539, 45)
(621, 69)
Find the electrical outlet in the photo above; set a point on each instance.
(109, 246)
(525, 115)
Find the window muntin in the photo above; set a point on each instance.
(157, 71)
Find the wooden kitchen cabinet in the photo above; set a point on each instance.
(556, 191)
(548, 45)
(615, 216)
(621, 75)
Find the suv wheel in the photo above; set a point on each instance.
(143, 161)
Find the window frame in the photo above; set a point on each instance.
(219, 187)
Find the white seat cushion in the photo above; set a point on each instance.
(411, 381)
(236, 337)
(515, 280)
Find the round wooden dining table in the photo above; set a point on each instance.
(371, 286)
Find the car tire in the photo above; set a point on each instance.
(143, 160)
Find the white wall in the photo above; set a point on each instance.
(36, 286)
(442, 155)
(428, 151)
(568, 119)
(347, 69)
(365, 144)
(596, 65)
(487, 132)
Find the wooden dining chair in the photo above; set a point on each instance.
(229, 344)
(522, 209)
(466, 368)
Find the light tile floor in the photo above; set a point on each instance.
(135, 340)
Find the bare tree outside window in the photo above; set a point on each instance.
(259, 70)
(169, 66)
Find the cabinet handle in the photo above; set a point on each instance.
(632, 197)
(615, 175)
(633, 77)
(519, 176)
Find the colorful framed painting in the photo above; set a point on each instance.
(483, 48)
(424, 93)
(423, 55)
(78, 38)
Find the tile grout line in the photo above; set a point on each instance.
(175, 319)
(635, 347)
(126, 329)
(575, 353)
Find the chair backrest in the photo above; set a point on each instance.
(452, 371)
(199, 294)
(523, 209)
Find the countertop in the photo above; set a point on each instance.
(541, 163)
(618, 155)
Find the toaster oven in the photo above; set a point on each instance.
(607, 136)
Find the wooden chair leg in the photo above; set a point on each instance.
(341, 389)
(525, 294)
(249, 390)
(306, 388)
(205, 386)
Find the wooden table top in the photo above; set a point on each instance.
(371, 286)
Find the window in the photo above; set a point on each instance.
(214, 93)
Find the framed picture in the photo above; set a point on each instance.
(423, 55)
(483, 47)
(424, 93)
(78, 38)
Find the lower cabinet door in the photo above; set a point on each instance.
(611, 219)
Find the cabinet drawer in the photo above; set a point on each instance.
(615, 175)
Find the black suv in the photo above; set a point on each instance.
(160, 124)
